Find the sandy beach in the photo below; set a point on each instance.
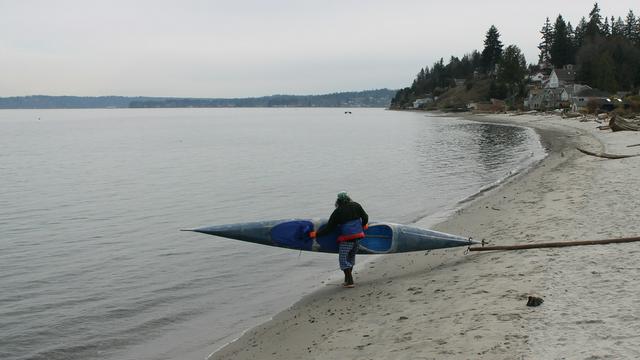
(450, 304)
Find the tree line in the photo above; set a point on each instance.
(605, 50)
(367, 98)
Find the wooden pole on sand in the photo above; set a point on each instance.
(555, 244)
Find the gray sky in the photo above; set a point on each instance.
(242, 48)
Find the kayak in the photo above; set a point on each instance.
(380, 237)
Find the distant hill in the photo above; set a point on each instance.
(68, 102)
(368, 98)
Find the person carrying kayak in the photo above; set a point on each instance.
(351, 219)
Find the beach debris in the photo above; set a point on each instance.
(619, 123)
(534, 300)
(570, 115)
(604, 155)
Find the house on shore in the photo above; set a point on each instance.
(533, 100)
(560, 91)
(421, 103)
(562, 77)
(557, 98)
(538, 79)
(580, 101)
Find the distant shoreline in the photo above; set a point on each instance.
(379, 98)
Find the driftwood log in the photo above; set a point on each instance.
(554, 244)
(604, 155)
(619, 123)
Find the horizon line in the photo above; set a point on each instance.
(187, 97)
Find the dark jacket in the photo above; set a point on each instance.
(343, 214)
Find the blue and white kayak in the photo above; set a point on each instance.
(380, 237)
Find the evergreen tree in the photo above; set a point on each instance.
(476, 60)
(611, 64)
(580, 31)
(617, 27)
(498, 90)
(513, 69)
(636, 37)
(492, 50)
(626, 59)
(467, 66)
(454, 68)
(545, 46)
(605, 78)
(594, 26)
(629, 26)
(606, 30)
(561, 53)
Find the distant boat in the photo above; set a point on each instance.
(380, 237)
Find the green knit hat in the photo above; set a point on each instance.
(342, 196)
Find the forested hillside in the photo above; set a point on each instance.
(604, 49)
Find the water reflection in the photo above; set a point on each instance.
(497, 142)
(463, 153)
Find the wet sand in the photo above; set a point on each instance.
(456, 305)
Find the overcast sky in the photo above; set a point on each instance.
(240, 48)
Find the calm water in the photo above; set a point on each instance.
(92, 265)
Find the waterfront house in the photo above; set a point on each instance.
(537, 79)
(534, 100)
(420, 103)
(575, 89)
(562, 77)
(547, 99)
(581, 100)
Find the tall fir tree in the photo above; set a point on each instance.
(561, 48)
(617, 27)
(594, 26)
(605, 76)
(630, 26)
(636, 36)
(580, 31)
(492, 52)
(513, 69)
(544, 59)
(476, 59)
(606, 29)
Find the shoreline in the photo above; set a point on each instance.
(448, 304)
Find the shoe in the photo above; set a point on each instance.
(348, 282)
